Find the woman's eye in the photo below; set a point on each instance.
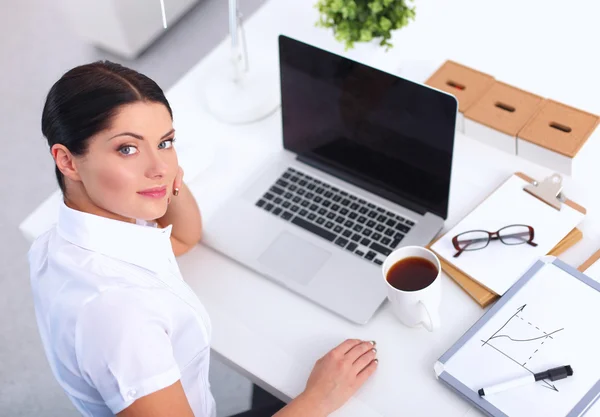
(128, 150)
(166, 144)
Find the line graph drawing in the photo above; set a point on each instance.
(520, 340)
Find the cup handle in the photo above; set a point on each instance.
(431, 317)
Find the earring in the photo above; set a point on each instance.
(176, 192)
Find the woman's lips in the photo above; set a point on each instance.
(159, 192)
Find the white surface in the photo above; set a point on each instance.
(563, 336)
(274, 336)
(251, 98)
(498, 266)
(124, 27)
(491, 137)
(594, 410)
(460, 122)
(414, 308)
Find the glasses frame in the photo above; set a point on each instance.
(493, 236)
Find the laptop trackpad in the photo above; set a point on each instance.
(294, 258)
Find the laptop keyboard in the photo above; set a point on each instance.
(363, 228)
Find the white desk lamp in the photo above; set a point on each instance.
(235, 94)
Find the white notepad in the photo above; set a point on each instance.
(546, 320)
(498, 266)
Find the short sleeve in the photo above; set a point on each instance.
(123, 347)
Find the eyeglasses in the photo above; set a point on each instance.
(515, 234)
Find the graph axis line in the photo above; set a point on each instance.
(520, 309)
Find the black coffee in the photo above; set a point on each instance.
(412, 274)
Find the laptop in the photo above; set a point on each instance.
(364, 170)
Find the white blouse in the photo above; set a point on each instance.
(116, 319)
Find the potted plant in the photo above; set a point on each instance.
(364, 20)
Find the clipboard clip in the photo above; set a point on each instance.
(549, 191)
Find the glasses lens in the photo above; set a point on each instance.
(515, 235)
(472, 240)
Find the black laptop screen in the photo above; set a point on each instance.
(389, 135)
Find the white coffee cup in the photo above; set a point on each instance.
(420, 307)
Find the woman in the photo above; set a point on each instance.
(122, 331)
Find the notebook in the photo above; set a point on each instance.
(591, 267)
(545, 320)
(498, 266)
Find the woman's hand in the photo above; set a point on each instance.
(183, 213)
(177, 184)
(339, 374)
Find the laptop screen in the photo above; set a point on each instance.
(376, 130)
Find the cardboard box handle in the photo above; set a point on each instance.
(456, 85)
(560, 127)
(505, 107)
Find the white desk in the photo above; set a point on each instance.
(274, 336)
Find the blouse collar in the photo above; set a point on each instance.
(142, 244)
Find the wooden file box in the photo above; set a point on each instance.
(465, 83)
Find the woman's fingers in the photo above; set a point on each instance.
(365, 360)
(358, 350)
(367, 372)
(345, 346)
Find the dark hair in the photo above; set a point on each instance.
(85, 99)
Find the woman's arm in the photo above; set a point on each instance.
(302, 406)
(183, 213)
(334, 379)
(167, 402)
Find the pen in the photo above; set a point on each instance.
(553, 374)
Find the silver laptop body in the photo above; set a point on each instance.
(308, 224)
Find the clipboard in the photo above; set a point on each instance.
(550, 192)
(532, 306)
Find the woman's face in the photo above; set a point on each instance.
(129, 168)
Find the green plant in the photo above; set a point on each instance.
(364, 20)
